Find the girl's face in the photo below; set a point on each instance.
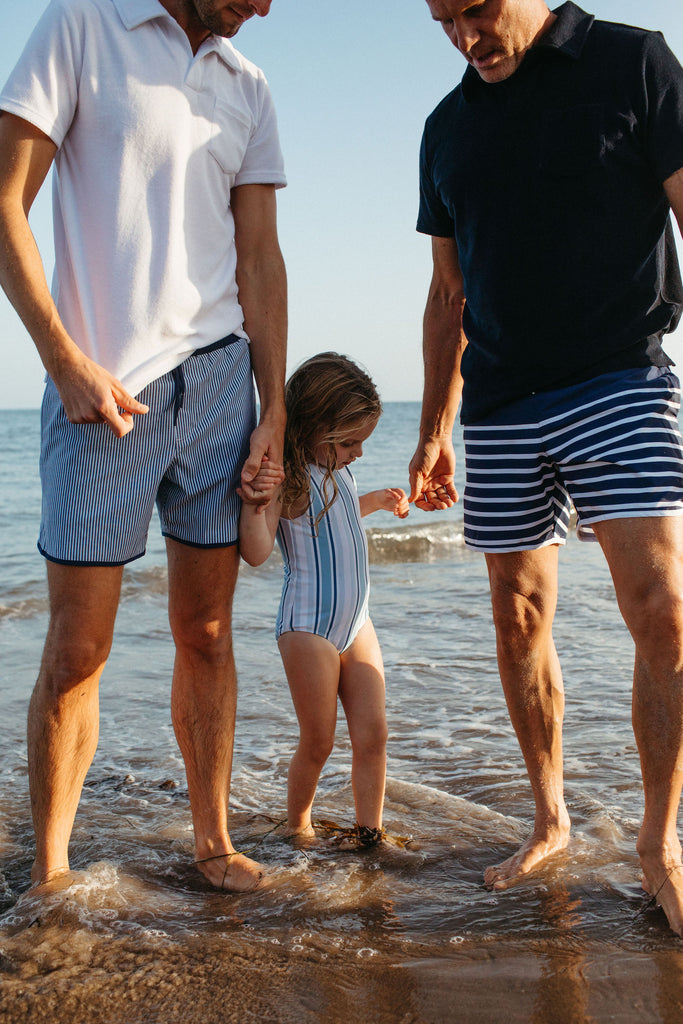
(349, 447)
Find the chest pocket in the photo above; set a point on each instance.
(230, 137)
(572, 140)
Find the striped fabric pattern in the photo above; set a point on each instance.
(611, 446)
(327, 580)
(185, 454)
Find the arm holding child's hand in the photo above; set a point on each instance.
(388, 499)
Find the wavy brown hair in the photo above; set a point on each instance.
(327, 398)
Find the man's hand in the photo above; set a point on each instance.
(90, 394)
(431, 476)
(261, 489)
(263, 471)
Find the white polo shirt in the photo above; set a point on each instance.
(151, 140)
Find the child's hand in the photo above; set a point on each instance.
(395, 499)
(260, 491)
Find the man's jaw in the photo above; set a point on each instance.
(482, 60)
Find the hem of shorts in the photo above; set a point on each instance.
(196, 544)
(82, 563)
(650, 513)
(509, 550)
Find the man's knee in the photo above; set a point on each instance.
(654, 616)
(521, 619)
(206, 636)
(72, 661)
(523, 597)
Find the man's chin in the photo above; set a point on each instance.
(499, 68)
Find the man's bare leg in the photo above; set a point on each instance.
(204, 700)
(646, 561)
(63, 720)
(524, 597)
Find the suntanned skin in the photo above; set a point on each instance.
(645, 556)
(63, 714)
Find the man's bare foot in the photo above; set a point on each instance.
(531, 855)
(56, 881)
(665, 884)
(233, 872)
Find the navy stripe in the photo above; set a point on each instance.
(614, 446)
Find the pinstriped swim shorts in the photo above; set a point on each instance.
(185, 455)
(611, 446)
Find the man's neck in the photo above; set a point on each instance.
(186, 15)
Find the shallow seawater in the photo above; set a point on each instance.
(402, 933)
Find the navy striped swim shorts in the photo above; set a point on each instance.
(185, 455)
(610, 446)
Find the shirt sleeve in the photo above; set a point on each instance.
(663, 77)
(434, 217)
(43, 87)
(263, 163)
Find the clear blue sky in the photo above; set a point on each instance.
(353, 81)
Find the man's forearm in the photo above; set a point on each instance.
(443, 345)
(25, 158)
(263, 296)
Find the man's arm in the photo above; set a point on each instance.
(89, 393)
(433, 464)
(673, 187)
(262, 284)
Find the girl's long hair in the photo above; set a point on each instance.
(327, 398)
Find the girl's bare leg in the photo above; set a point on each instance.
(312, 666)
(362, 695)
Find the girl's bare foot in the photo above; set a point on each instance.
(305, 832)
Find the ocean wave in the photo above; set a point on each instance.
(425, 543)
(24, 602)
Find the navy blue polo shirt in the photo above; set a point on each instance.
(551, 183)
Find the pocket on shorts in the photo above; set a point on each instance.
(231, 132)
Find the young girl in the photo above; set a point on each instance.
(327, 642)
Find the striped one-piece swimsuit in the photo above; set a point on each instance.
(327, 581)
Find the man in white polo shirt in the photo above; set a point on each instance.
(168, 299)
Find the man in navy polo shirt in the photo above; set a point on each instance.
(547, 180)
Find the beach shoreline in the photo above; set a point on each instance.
(232, 981)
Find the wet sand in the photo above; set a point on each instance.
(200, 983)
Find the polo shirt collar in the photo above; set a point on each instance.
(225, 50)
(134, 13)
(569, 31)
(567, 35)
